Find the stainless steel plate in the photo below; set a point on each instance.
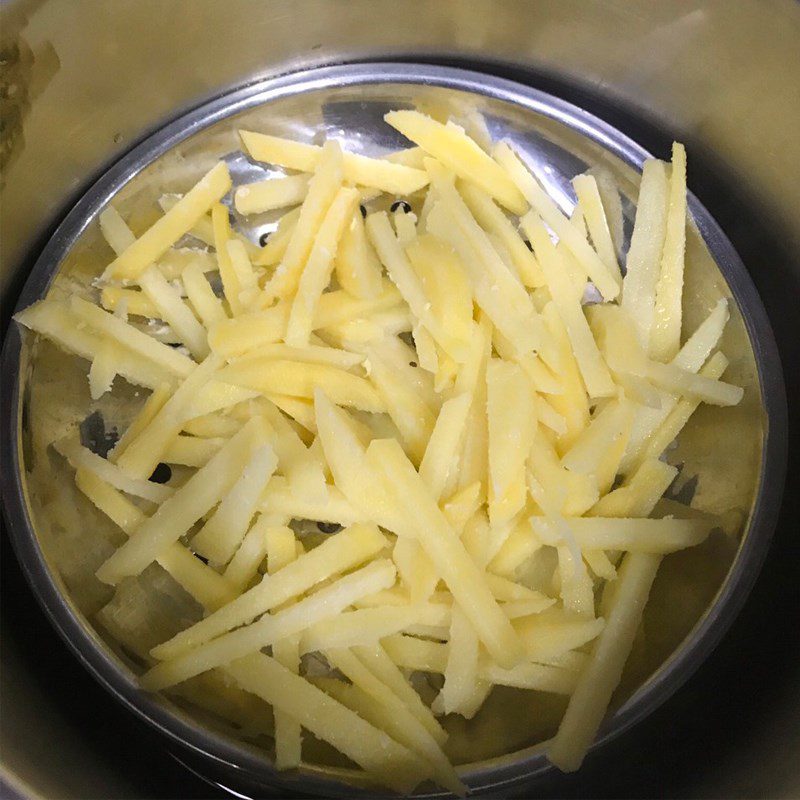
(739, 455)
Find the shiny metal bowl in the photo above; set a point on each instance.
(732, 460)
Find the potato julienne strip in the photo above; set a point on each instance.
(640, 492)
(343, 551)
(208, 587)
(549, 635)
(496, 290)
(323, 604)
(603, 277)
(410, 286)
(245, 274)
(300, 380)
(322, 189)
(428, 524)
(372, 749)
(223, 532)
(173, 310)
(494, 221)
(377, 173)
(512, 421)
(151, 406)
(129, 336)
(281, 549)
(593, 369)
(444, 443)
(134, 301)
(461, 670)
(142, 453)
(243, 567)
(81, 458)
(601, 675)
(180, 511)
(275, 248)
(644, 254)
(317, 271)
(360, 627)
(358, 270)
(665, 336)
(668, 431)
(385, 670)
(200, 294)
(115, 230)
(592, 206)
(174, 224)
(695, 385)
(634, 535)
(270, 194)
(310, 354)
(279, 498)
(456, 151)
(414, 735)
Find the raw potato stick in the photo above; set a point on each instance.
(174, 224)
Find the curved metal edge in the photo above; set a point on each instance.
(698, 643)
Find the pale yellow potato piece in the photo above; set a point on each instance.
(281, 498)
(634, 535)
(415, 568)
(142, 453)
(231, 285)
(323, 604)
(192, 451)
(103, 370)
(243, 567)
(644, 255)
(678, 381)
(494, 221)
(183, 508)
(605, 278)
(497, 291)
(174, 311)
(322, 190)
(270, 194)
(665, 335)
(591, 204)
(512, 424)
(444, 283)
(444, 444)
(345, 550)
(456, 151)
(520, 545)
(223, 532)
(212, 426)
(668, 430)
(411, 731)
(551, 634)
(299, 379)
(365, 626)
(640, 492)
(205, 303)
(599, 449)
(154, 403)
(461, 670)
(275, 248)
(572, 403)
(592, 367)
(597, 681)
(540, 370)
(698, 347)
(377, 173)
(408, 282)
(408, 157)
(425, 345)
(176, 260)
(405, 225)
(357, 267)
(169, 228)
(369, 747)
(115, 230)
(133, 301)
(299, 409)
(600, 564)
(427, 523)
(317, 272)
(111, 326)
(245, 274)
(208, 587)
(576, 584)
(460, 506)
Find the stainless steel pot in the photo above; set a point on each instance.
(646, 133)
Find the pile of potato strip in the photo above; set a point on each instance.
(409, 357)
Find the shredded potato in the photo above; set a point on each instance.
(427, 386)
